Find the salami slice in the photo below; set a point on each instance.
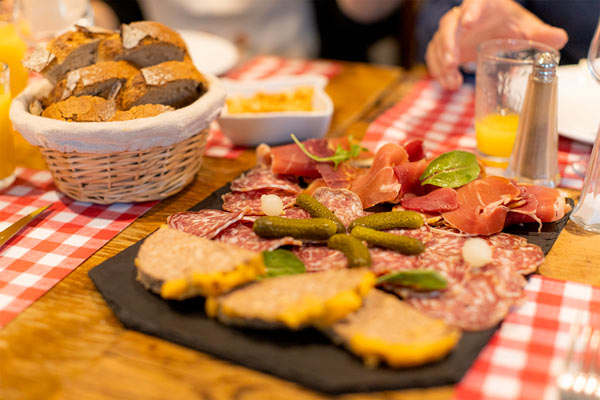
(480, 303)
(515, 253)
(386, 261)
(346, 205)
(320, 258)
(292, 212)
(249, 202)
(241, 235)
(263, 178)
(204, 223)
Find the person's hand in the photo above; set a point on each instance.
(462, 28)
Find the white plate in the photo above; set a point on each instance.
(251, 129)
(578, 102)
(210, 53)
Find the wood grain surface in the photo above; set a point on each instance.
(69, 345)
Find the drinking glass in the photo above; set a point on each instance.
(39, 21)
(503, 68)
(7, 153)
(587, 212)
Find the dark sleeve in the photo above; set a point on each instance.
(428, 18)
(126, 10)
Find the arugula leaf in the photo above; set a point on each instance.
(282, 262)
(453, 169)
(340, 154)
(419, 279)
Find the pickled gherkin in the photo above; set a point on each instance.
(403, 244)
(389, 220)
(318, 210)
(276, 227)
(355, 251)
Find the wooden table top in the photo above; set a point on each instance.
(69, 345)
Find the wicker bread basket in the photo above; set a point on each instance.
(109, 162)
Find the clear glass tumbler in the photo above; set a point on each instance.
(503, 68)
(7, 151)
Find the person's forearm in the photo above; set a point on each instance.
(368, 11)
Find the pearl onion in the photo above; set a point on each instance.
(271, 204)
(477, 252)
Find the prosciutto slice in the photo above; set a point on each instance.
(443, 199)
(408, 176)
(379, 184)
(290, 160)
(482, 206)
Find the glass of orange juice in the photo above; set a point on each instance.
(503, 67)
(7, 151)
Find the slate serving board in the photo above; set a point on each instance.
(306, 357)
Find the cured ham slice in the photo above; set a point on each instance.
(339, 177)
(263, 178)
(482, 205)
(414, 148)
(440, 200)
(343, 203)
(379, 184)
(290, 160)
(550, 205)
(204, 223)
(408, 176)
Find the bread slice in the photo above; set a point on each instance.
(82, 109)
(109, 48)
(147, 43)
(178, 265)
(67, 52)
(143, 111)
(174, 83)
(93, 80)
(387, 329)
(294, 301)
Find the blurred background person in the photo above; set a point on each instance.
(448, 31)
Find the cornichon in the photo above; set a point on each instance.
(276, 227)
(318, 210)
(403, 244)
(418, 279)
(389, 220)
(354, 250)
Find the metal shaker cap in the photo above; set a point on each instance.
(544, 67)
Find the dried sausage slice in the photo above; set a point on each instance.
(204, 223)
(249, 202)
(263, 178)
(346, 205)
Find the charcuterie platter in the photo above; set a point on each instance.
(477, 293)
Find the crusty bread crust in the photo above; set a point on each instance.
(174, 83)
(69, 51)
(82, 109)
(93, 80)
(143, 111)
(147, 43)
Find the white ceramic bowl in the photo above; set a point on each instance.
(252, 129)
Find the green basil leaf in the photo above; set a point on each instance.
(419, 279)
(453, 169)
(282, 262)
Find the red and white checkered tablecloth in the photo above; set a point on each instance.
(55, 243)
(444, 120)
(525, 356)
(263, 67)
